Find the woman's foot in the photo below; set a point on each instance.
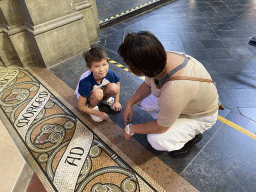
(184, 151)
(252, 41)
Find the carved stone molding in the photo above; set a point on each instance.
(82, 5)
(4, 28)
(42, 28)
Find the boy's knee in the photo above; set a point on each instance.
(112, 88)
(97, 94)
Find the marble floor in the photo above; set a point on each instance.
(8, 151)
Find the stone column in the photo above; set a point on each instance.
(90, 13)
(8, 54)
(46, 32)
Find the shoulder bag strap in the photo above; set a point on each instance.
(191, 79)
(188, 78)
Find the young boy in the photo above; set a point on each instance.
(97, 84)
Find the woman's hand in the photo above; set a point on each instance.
(127, 132)
(126, 136)
(116, 106)
(127, 114)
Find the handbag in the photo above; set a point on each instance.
(221, 107)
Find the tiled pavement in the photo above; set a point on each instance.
(107, 9)
(216, 33)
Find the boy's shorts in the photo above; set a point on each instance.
(88, 102)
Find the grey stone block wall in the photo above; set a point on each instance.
(44, 33)
(8, 53)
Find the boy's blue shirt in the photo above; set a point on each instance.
(88, 83)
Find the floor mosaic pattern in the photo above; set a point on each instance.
(62, 150)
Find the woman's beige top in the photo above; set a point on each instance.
(184, 98)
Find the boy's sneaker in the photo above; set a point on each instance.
(108, 102)
(94, 117)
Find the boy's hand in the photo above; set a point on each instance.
(103, 116)
(116, 106)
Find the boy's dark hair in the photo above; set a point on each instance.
(143, 53)
(95, 54)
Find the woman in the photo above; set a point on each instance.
(182, 109)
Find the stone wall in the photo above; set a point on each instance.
(46, 32)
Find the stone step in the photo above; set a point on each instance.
(16, 174)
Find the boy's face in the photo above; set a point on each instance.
(99, 69)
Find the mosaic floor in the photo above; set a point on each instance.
(63, 151)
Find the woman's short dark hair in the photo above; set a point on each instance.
(143, 53)
(95, 54)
